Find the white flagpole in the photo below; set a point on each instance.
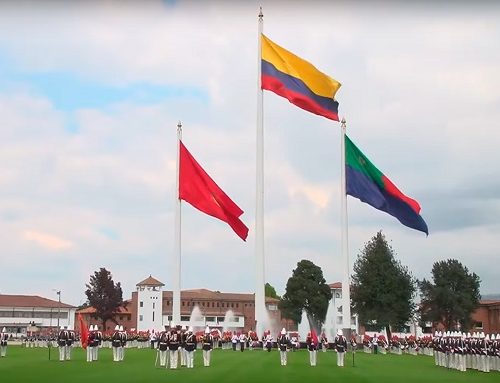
(176, 269)
(346, 293)
(260, 305)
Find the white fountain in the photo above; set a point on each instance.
(196, 320)
(330, 325)
(228, 320)
(304, 327)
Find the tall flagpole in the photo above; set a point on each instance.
(260, 305)
(176, 270)
(346, 293)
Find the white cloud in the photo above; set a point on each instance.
(419, 94)
(47, 241)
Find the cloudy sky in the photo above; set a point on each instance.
(91, 93)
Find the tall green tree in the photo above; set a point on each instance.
(306, 289)
(270, 291)
(382, 290)
(452, 297)
(104, 295)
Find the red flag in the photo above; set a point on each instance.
(84, 332)
(197, 188)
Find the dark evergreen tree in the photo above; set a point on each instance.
(270, 291)
(452, 297)
(104, 295)
(306, 289)
(382, 291)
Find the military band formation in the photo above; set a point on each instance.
(175, 345)
(451, 349)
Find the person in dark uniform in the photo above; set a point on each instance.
(340, 346)
(62, 338)
(3, 342)
(207, 346)
(69, 343)
(163, 347)
(283, 344)
(174, 339)
(90, 344)
(182, 349)
(116, 343)
(98, 343)
(190, 347)
(123, 343)
(312, 345)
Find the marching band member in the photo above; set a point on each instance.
(190, 346)
(3, 342)
(173, 346)
(207, 347)
(163, 347)
(116, 343)
(283, 344)
(312, 344)
(340, 345)
(62, 337)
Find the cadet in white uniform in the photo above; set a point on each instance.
(3, 342)
(283, 343)
(207, 347)
(340, 345)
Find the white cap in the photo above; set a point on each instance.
(339, 332)
(3, 330)
(183, 328)
(207, 330)
(121, 328)
(283, 331)
(62, 327)
(487, 337)
(190, 329)
(117, 328)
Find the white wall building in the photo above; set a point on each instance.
(18, 312)
(333, 320)
(149, 304)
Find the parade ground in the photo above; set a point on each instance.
(33, 365)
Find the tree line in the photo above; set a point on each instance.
(383, 292)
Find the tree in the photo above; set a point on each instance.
(306, 289)
(104, 295)
(382, 290)
(270, 291)
(453, 296)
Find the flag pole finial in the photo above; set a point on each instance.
(179, 130)
(261, 15)
(343, 122)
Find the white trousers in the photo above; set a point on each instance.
(206, 358)
(283, 357)
(3, 351)
(115, 354)
(95, 353)
(68, 352)
(163, 358)
(89, 353)
(190, 359)
(312, 358)
(340, 359)
(183, 356)
(174, 359)
(62, 353)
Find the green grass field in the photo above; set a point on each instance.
(32, 365)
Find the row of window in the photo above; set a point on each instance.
(33, 314)
(212, 304)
